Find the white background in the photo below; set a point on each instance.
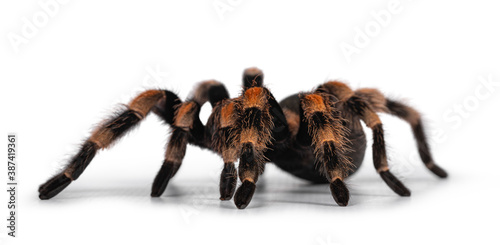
(90, 56)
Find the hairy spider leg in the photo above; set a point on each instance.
(226, 132)
(412, 117)
(321, 127)
(104, 136)
(187, 128)
(252, 135)
(251, 124)
(224, 117)
(183, 124)
(362, 108)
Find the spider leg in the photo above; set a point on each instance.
(223, 110)
(411, 116)
(104, 136)
(363, 109)
(228, 179)
(382, 104)
(321, 127)
(249, 170)
(259, 122)
(187, 128)
(252, 134)
(225, 115)
(251, 120)
(254, 77)
(176, 147)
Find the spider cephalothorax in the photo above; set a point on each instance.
(315, 136)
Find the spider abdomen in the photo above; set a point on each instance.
(299, 160)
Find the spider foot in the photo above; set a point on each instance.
(395, 184)
(228, 180)
(340, 192)
(437, 170)
(161, 181)
(53, 186)
(244, 194)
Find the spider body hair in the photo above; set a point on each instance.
(316, 136)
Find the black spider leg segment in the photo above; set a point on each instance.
(411, 116)
(362, 108)
(280, 131)
(218, 95)
(103, 137)
(382, 104)
(224, 119)
(220, 122)
(187, 128)
(207, 91)
(252, 77)
(228, 179)
(327, 135)
(252, 134)
(248, 173)
(176, 149)
(182, 127)
(228, 176)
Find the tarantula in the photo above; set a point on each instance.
(315, 136)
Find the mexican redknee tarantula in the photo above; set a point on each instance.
(315, 136)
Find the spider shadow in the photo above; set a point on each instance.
(364, 191)
(99, 192)
(285, 190)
